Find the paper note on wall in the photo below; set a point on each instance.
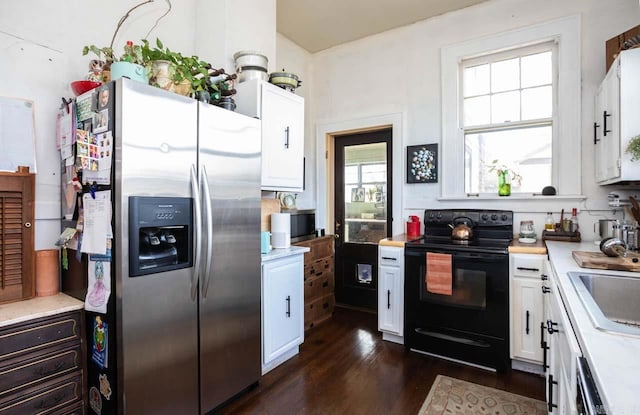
(17, 134)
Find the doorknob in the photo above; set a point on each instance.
(336, 236)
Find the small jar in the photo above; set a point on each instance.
(526, 228)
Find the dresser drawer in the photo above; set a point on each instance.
(27, 370)
(39, 334)
(318, 268)
(52, 397)
(77, 408)
(318, 287)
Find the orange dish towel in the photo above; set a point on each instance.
(438, 277)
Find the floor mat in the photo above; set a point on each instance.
(454, 396)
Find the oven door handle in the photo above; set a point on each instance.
(483, 257)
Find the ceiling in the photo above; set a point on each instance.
(317, 25)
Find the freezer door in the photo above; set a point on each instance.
(229, 160)
(157, 317)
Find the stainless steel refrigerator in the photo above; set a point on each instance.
(186, 255)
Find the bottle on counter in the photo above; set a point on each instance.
(574, 220)
(549, 224)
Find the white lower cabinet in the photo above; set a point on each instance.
(391, 293)
(282, 309)
(563, 356)
(527, 309)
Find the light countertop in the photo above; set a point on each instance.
(518, 247)
(284, 252)
(37, 307)
(399, 240)
(613, 358)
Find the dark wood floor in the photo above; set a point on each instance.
(344, 367)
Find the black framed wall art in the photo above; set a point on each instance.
(422, 163)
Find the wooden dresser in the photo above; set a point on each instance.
(42, 366)
(319, 282)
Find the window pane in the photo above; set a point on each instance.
(351, 174)
(476, 80)
(536, 103)
(526, 153)
(372, 173)
(505, 75)
(505, 107)
(476, 111)
(536, 69)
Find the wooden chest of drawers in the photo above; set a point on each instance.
(319, 282)
(42, 366)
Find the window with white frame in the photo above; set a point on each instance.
(512, 101)
(507, 103)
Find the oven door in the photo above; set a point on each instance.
(472, 324)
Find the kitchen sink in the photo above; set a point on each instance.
(612, 301)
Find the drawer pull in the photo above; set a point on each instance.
(528, 269)
(389, 258)
(325, 284)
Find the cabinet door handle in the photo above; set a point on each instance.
(604, 128)
(550, 328)
(288, 300)
(528, 269)
(551, 405)
(545, 290)
(544, 277)
(543, 343)
(388, 299)
(545, 366)
(527, 329)
(286, 137)
(595, 132)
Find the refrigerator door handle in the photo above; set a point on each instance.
(197, 231)
(209, 217)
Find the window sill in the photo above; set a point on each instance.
(515, 197)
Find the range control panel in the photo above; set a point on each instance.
(476, 217)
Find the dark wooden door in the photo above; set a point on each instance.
(362, 211)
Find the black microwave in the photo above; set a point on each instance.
(303, 224)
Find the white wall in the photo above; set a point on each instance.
(41, 52)
(399, 71)
(294, 59)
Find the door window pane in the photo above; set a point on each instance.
(365, 197)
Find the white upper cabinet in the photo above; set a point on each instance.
(616, 120)
(282, 115)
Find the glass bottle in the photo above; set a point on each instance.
(549, 224)
(574, 220)
(504, 183)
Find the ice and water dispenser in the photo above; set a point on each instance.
(160, 234)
